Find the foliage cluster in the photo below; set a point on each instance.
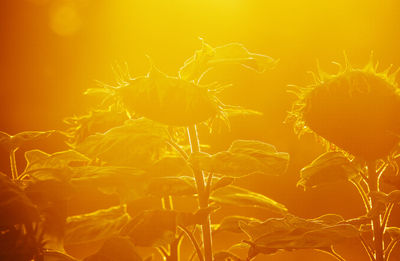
(142, 143)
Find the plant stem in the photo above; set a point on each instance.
(362, 194)
(368, 249)
(178, 149)
(174, 254)
(336, 255)
(332, 252)
(373, 183)
(162, 252)
(13, 164)
(173, 248)
(390, 248)
(203, 196)
(167, 203)
(194, 242)
(386, 216)
(209, 184)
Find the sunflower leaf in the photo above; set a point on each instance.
(137, 143)
(292, 233)
(152, 228)
(234, 53)
(244, 157)
(117, 249)
(172, 185)
(56, 166)
(329, 167)
(394, 233)
(231, 223)
(129, 183)
(240, 197)
(226, 255)
(95, 226)
(15, 141)
(16, 206)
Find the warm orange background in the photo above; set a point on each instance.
(52, 50)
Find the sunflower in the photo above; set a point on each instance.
(356, 110)
(169, 100)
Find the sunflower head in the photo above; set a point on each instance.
(356, 110)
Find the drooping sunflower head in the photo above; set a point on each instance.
(356, 110)
(169, 100)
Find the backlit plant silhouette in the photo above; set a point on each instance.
(141, 145)
(355, 113)
(142, 142)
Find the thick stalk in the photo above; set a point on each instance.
(202, 195)
(13, 164)
(373, 184)
(174, 254)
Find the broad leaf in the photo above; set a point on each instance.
(69, 167)
(158, 227)
(222, 182)
(95, 226)
(291, 233)
(226, 255)
(231, 223)
(43, 166)
(287, 224)
(394, 197)
(394, 233)
(235, 111)
(138, 143)
(93, 122)
(392, 180)
(329, 167)
(116, 249)
(244, 157)
(129, 183)
(181, 185)
(240, 197)
(15, 206)
(234, 53)
(152, 228)
(170, 166)
(11, 142)
(175, 186)
(53, 255)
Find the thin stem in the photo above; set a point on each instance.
(362, 194)
(333, 253)
(209, 183)
(386, 216)
(390, 248)
(167, 203)
(162, 252)
(373, 183)
(203, 197)
(368, 249)
(178, 149)
(13, 164)
(194, 242)
(192, 255)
